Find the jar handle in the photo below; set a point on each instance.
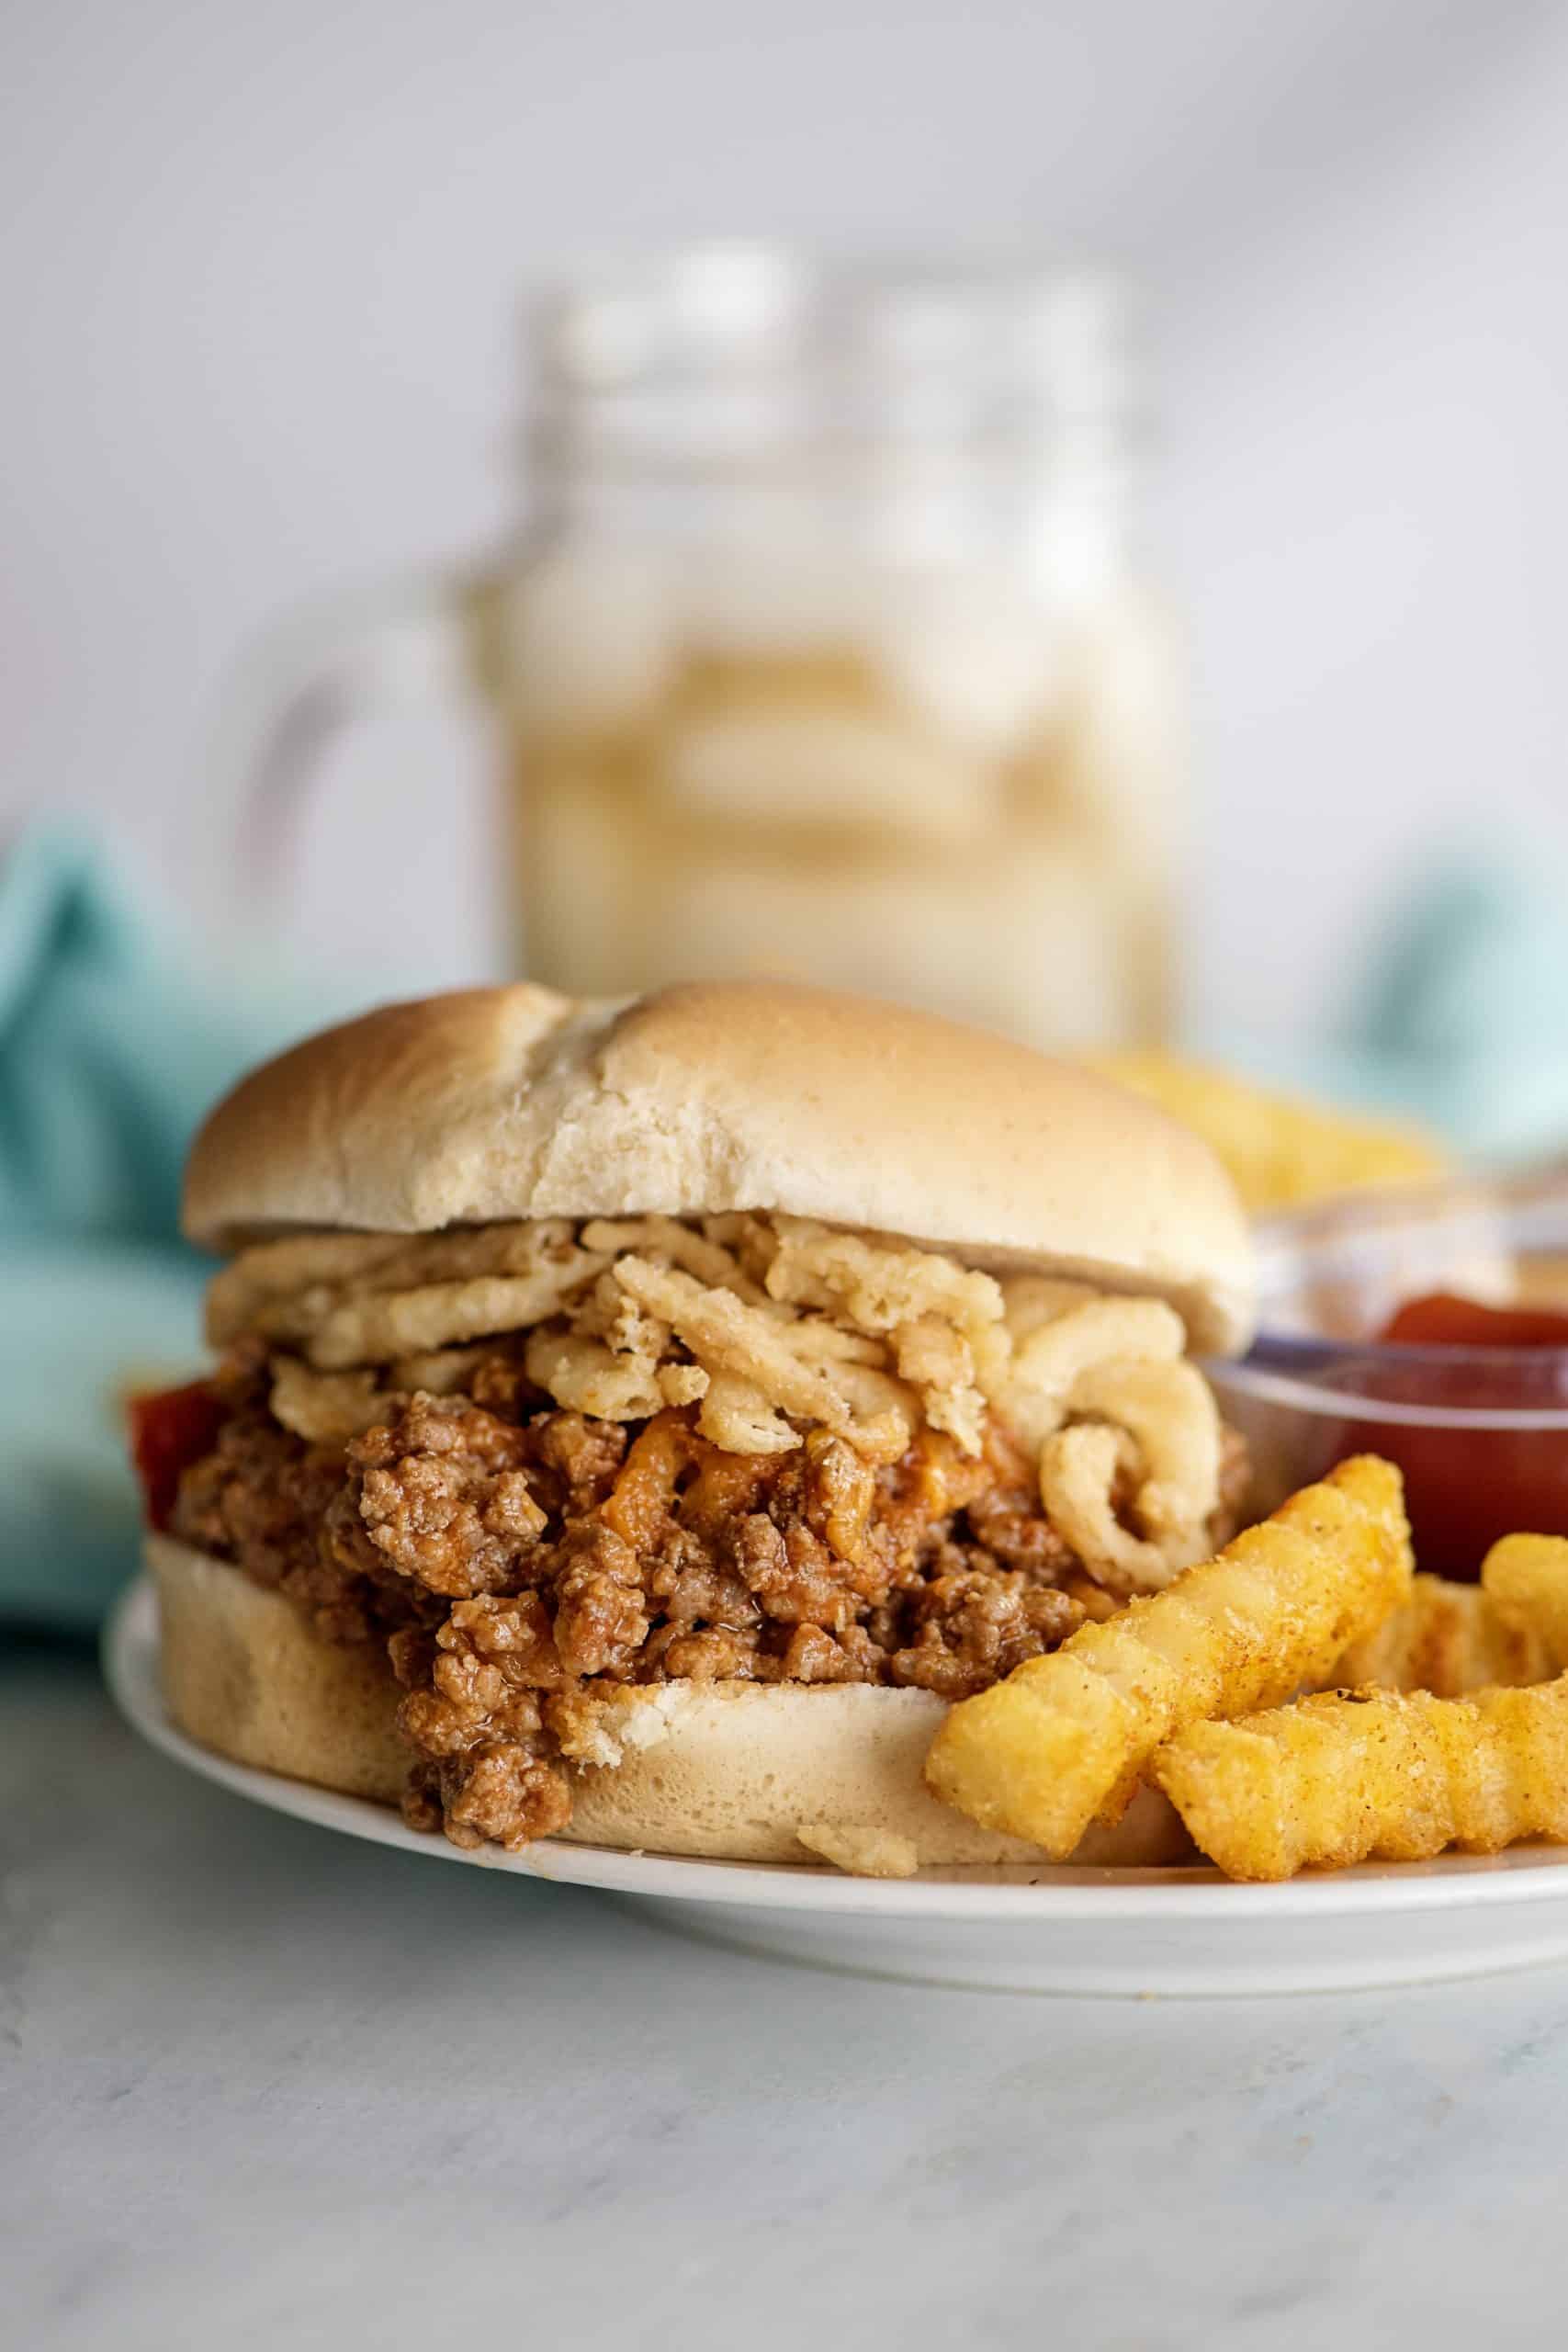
(299, 686)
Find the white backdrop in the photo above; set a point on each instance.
(257, 284)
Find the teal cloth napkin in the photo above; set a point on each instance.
(113, 1041)
(1457, 1016)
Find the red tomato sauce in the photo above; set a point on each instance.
(1465, 1488)
(1443, 1320)
(169, 1430)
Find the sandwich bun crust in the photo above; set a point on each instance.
(727, 1772)
(502, 1104)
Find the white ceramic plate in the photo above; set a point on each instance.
(1130, 1932)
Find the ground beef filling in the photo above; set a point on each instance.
(518, 1561)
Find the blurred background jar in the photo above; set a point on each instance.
(824, 648)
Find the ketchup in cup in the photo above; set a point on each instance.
(1443, 1320)
(1465, 1487)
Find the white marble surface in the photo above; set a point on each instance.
(261, 2087)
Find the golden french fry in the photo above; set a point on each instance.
(1526, 1577)
(1279, 1150)
(1448, 1638)
(1346, 1775)
(1064, 1738)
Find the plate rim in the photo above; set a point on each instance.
(1526, 1873)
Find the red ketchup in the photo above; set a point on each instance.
(169, 1430)
(1467, 1487)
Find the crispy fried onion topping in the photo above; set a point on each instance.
(764, 1324)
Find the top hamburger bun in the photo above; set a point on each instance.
(502, 1103)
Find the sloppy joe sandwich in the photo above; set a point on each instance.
(641, 1422)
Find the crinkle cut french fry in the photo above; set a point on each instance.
(1344, 1776)
(1448, 1638)
(1063, 1738)
(1526, 1577)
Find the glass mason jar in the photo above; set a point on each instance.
(822, 651)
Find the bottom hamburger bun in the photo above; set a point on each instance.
(730, 1771)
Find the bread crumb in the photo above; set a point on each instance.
(602, 1729)
(863, 1853)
